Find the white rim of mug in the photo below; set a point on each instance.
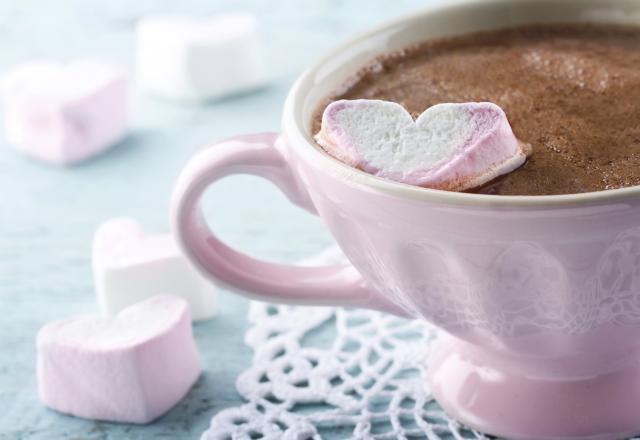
(303, 142)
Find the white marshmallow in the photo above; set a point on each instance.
(64, 114)
(130, 266)
(185, 58)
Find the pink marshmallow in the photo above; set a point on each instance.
(130, 368)
(452, 147)
(64, 114)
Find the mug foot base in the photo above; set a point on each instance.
(473, 389)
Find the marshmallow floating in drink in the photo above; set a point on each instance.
(184, 58)
(130, 368)
(130, 265)
(452, 147)
(65, 113)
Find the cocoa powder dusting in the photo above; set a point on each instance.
(571, 91)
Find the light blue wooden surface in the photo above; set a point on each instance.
(48, 215)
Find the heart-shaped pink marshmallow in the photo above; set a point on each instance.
(454, 147)
(133, 367)
(65, 113)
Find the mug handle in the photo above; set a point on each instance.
(259, 155)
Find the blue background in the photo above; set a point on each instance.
(48, 215)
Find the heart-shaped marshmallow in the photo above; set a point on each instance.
(65, 113)
(199, 59)
(130, 368)
(130, 265)
(453, 147)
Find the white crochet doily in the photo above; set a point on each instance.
(329, 373)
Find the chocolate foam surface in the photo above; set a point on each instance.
(571, 91)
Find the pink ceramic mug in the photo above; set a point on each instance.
(539, 296)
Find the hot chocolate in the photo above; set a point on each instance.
(570, 91)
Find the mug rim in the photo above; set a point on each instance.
(302, 142)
